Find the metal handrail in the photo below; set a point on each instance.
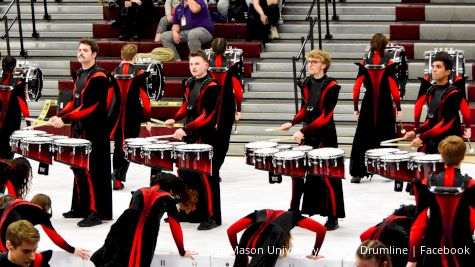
(6, 35)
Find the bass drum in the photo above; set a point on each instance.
(33, 77)
(155, 82)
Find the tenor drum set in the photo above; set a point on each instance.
(156, 153)
(297, 161)
(401, 165)
(44, 147)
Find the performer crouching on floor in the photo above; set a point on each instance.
(199, 113)
(267, 236)
(322, 195)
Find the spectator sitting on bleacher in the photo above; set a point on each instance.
(166, 21)
(134, 18)
(262, 20)
(191, 24)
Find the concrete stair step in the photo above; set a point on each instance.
(61, 8)
(353, 28)
(340, 36)
(55, 34)
(380, 9)
(345, 18)
(84, 26)
(288, 55)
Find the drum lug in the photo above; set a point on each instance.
(397, 166)
(162, 154)
(39, 148)
(320, 163)
(211, 154)
(384, 165)
(198, 157)
(296, 163)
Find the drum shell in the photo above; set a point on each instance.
(74, 156)
(422, 170)
(159, 158)
(198, 161)
(134, 154)
(332, 167)
(37, 151)
(290, 167)
(249, 156)
(263, 162)
(397, 170)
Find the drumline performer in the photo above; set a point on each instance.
(321, 194)
(133, 101)
(376, 119)
(12, 104)
(229, 107)
(199, 110)
(88, 113)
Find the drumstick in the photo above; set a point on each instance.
(272, 129)
(396, 144)
(392, 140)
(38, 125)
(282, 139)
(157, 121)
(33, 119)
(235, 126)
(163, 136)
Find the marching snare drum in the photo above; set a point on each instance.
(263, 158)
(328, 161)
(158, 155)
(133, 149)
(424, 166)
(253, 146)
(18, 135)
(395, 167)
(194, 157)
(72, 151)
(372, 156)
(37, 148)
(291, 163)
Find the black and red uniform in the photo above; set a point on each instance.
(23, 210)
(132, 239)
(394, 232)
(88, 113)
(445, 223)
(377, 120)
(133, 101)
(12, 105)
(41, 260)
(229, 103)
(7, 176)
(443, 119)
(199, 110)
(266, 232)
(322, 195)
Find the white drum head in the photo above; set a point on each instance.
(72, 142)
(37, 140)
(265, 152)
(157, 147)
(289, 155)
(194, 148)
(260, 144)
(428, 158)
(326, 153)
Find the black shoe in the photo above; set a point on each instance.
(72, 214)
(355, 180)
(331, 224)
(208, 224)
(91, 220)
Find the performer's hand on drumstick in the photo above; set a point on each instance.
(237, 116)
(357, 114)
(57, 122)
(410, 135)
(179, 134)
(148, 126)
(82, 253)
(189, 254)
(314, 257)
(298, 136)
(169, 123)
(467, 133)
(416, 143)
(286, 126)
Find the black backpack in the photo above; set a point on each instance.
(237, 11)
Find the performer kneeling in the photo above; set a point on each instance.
(451, 200)
(267, 236)
(132, 239)
(319, 98)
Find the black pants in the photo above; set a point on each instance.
(119, 164)
(255, 30)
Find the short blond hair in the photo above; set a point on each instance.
(128, 52)
(22, 231)
(452, 150)
(323, 55)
